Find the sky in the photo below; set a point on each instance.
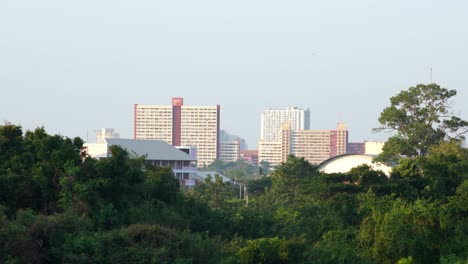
(76, 66)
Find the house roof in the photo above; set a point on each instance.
(153, 149)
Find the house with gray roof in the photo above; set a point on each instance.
(156, 152)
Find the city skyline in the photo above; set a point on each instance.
(76, 67)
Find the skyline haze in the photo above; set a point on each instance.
(74, 67)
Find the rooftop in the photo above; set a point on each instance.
(153, 149)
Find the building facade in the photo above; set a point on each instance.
(373, 147)
(181, 125)
(356, 148)
(250, 156)
(270, 151)
(315, 146)
(224, 136)
(153, 122)
(339, 140)
(272, 121)
(229, 151)
(312, 145)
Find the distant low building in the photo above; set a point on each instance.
(356, 148)
(250, 156)
(157, 153)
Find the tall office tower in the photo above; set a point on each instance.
(181, 125)
(274, 119)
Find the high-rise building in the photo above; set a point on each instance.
(229, 151)
(312, 145)
(339, 140)
(270, 151)
(224, 136)
(315, 146)
(274, 119)
(181, 125)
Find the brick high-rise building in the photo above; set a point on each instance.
(181, 125)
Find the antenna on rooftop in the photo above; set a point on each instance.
(430, 74)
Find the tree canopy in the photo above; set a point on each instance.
(420, 117)
(59, 206)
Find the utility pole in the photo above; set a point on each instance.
(240, 190)
(246, 195)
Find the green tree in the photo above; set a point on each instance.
(395, 228)
(11, 148)
(161, 184)
(445, 167)
(264, 250)
(264, 167)
(288, 178)
(421, 117)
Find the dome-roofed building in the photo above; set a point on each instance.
(344, 163)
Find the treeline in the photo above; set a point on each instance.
(59, 206)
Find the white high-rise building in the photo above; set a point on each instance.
(274, 119)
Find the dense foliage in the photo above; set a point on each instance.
(421, 117)
(58, 206)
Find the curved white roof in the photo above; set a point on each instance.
(344, 163)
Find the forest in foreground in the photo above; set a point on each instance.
(58, 205)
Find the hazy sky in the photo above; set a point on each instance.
(74, 66)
